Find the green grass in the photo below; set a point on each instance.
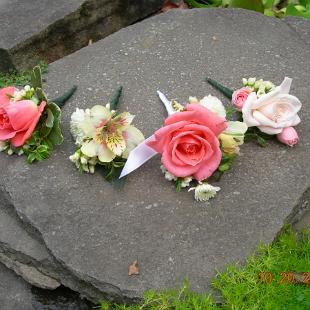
(239, 285)
(19, 78)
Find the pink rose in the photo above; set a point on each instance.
(18, 120)
(240, 96)
(188, 142)
(288, 136)
(4, 95)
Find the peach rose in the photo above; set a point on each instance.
(189, 142)
(274, 111)
(18, 120)
(240, 96)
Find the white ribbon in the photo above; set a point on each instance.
(142, 153)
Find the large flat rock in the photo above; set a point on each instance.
(36, 30)
(96, 229)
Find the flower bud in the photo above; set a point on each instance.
(251, 81)
(288, 136)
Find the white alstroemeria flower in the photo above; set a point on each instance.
(236, 130)
(204, 191)
(109, 134)
(76, 124)
(214, 104)
(274, 111)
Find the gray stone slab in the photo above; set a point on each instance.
(301, 26)
(96, 229)
(14, 292)
(36, 30)
(22, 251)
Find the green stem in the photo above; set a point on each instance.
(114, 101)
(60, 101)
(224, 90)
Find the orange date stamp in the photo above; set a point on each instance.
(285, 278)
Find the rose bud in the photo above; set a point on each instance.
(288, 136)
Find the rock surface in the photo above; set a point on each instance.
(301, 26)
(95, 229)
(36, 30)
(16, 294)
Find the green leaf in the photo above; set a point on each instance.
(254, 5)
(114, 101)
(55, 136)
(292, 11)
(261, 141)
(50, 118)
(60, 101)
(224, 167)
(178, 184)
(36, 77)
(40, 94)
(224, 90)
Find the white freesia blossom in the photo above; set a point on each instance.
(76, 123)
(236, 130)
(214, 104)
(204, 191)
(274, 111)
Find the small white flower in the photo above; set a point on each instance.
(27, 88)
(85, 168)
(214, 104)
(84, 160)
(245, 81)
(186, 181)
(168, 175)
(251, 81)
(204, 191)
(75, 157)
(3, 146)
(76, 129)
(193, 100)
(91, 169)
(10, 152)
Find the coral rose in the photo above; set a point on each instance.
(189, 142)
(18, 121)
(5, 94)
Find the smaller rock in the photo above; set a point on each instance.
(30, 274)
(14, 292)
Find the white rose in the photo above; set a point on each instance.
(274, 111)
(214, 104)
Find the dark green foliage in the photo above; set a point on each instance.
(224, 90)
(114, 101)
(60, 101)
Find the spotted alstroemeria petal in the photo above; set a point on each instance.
(124, 119)
(116, 143)
(133, 137)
